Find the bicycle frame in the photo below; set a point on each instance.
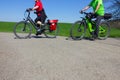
(28, 18)
(91, 25)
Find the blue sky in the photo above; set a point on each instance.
(63, 10)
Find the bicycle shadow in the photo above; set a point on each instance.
(40, 36)
(37, 37)
(85, 38)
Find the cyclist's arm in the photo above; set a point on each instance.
(85, 8)
(34, 8)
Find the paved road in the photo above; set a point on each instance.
(58, 59)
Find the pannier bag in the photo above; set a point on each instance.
(53, 24)
(107, 16)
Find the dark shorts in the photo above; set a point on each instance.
(42, 17)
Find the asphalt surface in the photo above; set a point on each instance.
(58, 59)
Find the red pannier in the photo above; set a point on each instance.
(53, 24)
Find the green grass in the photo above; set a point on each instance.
(6, 26)
(64, 29)
(115, 32)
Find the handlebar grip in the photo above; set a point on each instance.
(81, 12)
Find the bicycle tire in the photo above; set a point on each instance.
(106, 31)
(50, 33)
(22, 30)
(78, 30)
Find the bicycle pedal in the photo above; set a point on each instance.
(38, 33)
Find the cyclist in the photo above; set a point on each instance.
(98, 9)
(41, 15)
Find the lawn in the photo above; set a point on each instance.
(64, 29)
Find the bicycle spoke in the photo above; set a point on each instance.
(22, 30)
(77, 30)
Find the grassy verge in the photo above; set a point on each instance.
(115, 32)
(6, 26)
(64, 29)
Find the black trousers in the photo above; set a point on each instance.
(97, 23)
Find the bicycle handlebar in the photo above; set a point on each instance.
(29, 9)
(27, 12)
(86, 13)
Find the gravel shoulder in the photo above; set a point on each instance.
(58, 59)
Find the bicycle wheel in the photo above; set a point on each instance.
(22, 30)
(104, 31)
(50, 33)
(78, 30)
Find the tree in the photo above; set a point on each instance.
(114, 9)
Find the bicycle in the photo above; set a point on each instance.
(23, 29)
(79, 28)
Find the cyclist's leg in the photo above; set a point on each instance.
(97, 23)
(38, 21)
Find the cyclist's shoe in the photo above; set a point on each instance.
(39, 32)
(92, 33)
(93, 36)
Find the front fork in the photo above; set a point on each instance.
(25, 23)
(32, 22)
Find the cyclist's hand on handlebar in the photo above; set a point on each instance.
(81, 11)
